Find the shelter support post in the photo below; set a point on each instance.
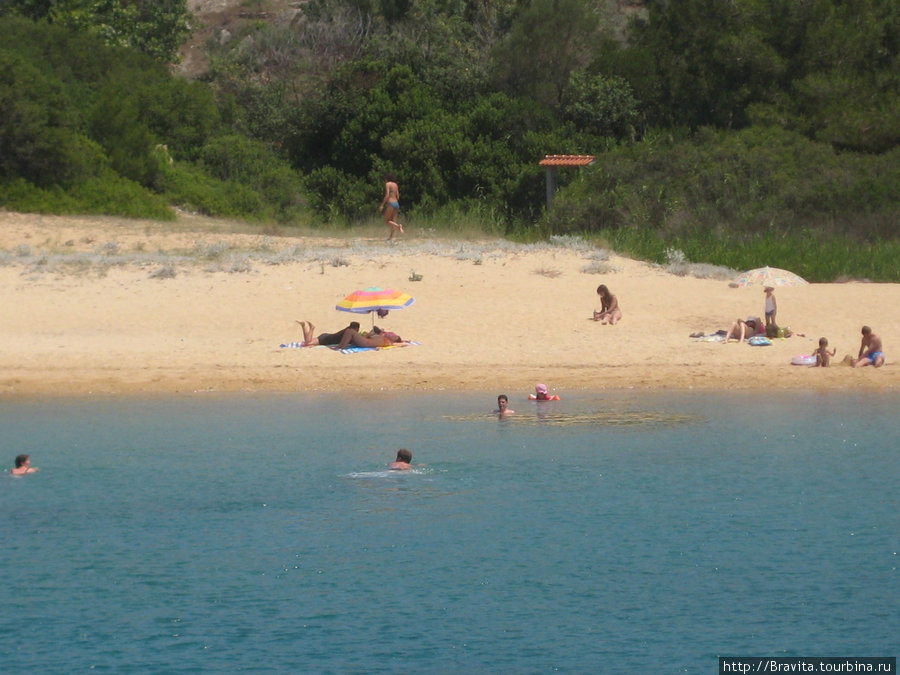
(551, 185)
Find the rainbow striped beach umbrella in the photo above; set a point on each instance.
(374, 299)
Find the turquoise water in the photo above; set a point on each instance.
(618, 532)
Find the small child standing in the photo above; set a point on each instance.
(823, 356)
(771, 307)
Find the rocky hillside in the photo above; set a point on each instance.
(219, 19)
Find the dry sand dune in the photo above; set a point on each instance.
(90, 307)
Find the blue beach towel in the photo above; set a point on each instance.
(354, 350)
(347, 350)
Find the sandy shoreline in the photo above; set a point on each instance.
(110, 306)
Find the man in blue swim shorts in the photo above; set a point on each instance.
(870, 350)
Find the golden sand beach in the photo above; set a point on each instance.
(96, 306)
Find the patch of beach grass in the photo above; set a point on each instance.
(548, 272)
(813, 256)
(598, 267)
(164, 272)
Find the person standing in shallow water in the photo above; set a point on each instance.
(503, 406)
(390, 205)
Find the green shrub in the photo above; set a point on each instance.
(193, 190)
(111, 194)
(334, 195)
(107, 194)
(755, 181)
(815, 256)
(235, 158)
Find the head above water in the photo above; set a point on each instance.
(22, 460)
(404, 455)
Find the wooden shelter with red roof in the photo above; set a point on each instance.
(553, 162)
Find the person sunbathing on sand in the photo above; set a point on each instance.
(376, 340)
(327, 339)
(393, 337)
(741, 329)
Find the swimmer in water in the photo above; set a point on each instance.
(23, 466)
(403, 461)
(540, 393)
(503, 406)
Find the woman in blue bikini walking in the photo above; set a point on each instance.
(390, 205)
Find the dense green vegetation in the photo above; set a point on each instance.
(742, 133)
(91, 128)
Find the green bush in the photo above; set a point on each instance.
(192, 189)
(334, 195)
(756, 180)
(114, 195)
(809, 253)
(106, 194)
(240, 159)
(39, 136)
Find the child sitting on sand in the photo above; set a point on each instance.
(823, 356)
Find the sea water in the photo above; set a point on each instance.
(613, 532)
